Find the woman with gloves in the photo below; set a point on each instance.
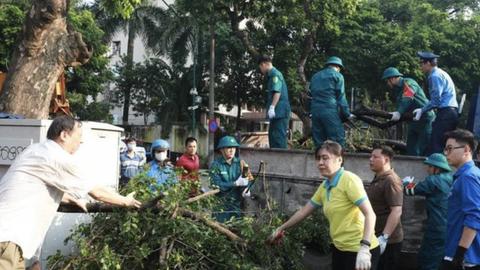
(226, 173)
(348, 210)
(435, 188)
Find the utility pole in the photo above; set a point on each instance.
(211, 95)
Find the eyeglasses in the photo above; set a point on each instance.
(447, 150)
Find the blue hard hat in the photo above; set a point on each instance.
(334, 60)
(159, 144)
(391, 72)
(427, 55)
(438, 160)
(227, 141)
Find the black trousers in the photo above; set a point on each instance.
(390, 259)
(345, 260)
(446, 120)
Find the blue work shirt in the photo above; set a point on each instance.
(328, 92)
(161, 173)
(464, 211)
(441, 89)
(275, 83)
(130, 166)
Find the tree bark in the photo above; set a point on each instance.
(47, 46)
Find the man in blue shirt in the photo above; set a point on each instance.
(462, 249)
(131, 162)
(278, 106)
(442, 98)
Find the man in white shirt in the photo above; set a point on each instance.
(40, 178)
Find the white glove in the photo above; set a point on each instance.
(383, 240)
(417, 113)
(364, 257)
(246, 194)
(241, 182)
(395, 116)
(407, 180)
(352, 117)
(271, 112)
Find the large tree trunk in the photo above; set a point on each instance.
(47, 46)
(127, 92)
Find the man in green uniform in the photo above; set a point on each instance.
(226, 173)
(329, 104)
(435, 188)
(410, 96)
(278, 106)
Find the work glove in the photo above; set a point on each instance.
(382, 241)
(417, 114)
(407, 180)
(276, 237)
(246, 193)
(352, 117)
(271, 112)
(364, 257)
(241, 182)
(395, 116)
(457, 262)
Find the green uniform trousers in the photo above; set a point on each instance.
(277, 132)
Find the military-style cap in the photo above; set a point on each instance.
(227, 141)
(427, 55)
(391, 72)
(334, 60)
(438, 160)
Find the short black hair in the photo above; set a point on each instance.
(462, 136)
(432, 61)
(189, 140)
(332, 147)
(61, 123)
(129, 140)
(264, 59)
(385, 150)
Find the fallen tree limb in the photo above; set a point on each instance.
(210, 223)
(201, 196)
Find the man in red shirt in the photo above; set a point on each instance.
(190, 162)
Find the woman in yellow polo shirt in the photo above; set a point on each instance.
(347, 209)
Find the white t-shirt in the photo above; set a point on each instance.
(31, 191)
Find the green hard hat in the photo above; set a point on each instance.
(227, 141)
(334, 60)
(391, 72)
(438, 160)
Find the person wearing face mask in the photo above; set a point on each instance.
(160, 167)
(226, 173)
(131, 162)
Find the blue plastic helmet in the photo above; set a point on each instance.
(334, 60)
(159, 144)
(227, 141)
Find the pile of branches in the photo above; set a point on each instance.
(172, 231)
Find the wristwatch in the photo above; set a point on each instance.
(365, 242)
